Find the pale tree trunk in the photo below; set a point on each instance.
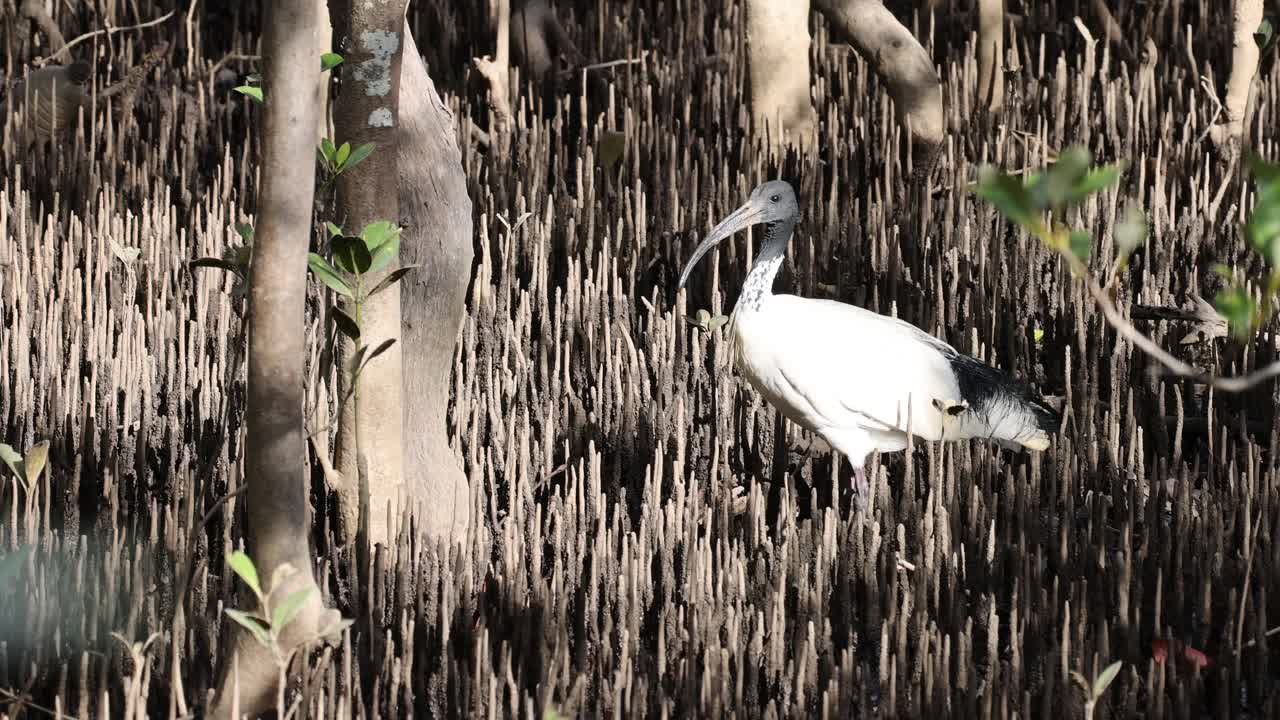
(370, 38)
(275, 451)
(438, 236)
(778, 64)
(991, 54)
(1246, 16)
(899, 60)
(324, 44)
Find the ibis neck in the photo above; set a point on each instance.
(759, 284)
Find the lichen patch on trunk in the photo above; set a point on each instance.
(375, 72)
(381, 118)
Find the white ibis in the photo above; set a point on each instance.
(853, 376)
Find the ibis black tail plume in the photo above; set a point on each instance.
(1006, 409)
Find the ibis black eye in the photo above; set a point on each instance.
(775, 198)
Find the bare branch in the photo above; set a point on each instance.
(614, 63)
(1270, 633)
(107, 31)
(899, 60)
(1126, 330)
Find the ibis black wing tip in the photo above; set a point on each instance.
(1047, 419)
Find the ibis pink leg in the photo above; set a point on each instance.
(861, 488)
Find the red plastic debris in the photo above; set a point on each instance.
(1192, 657)
(1159, 650)
(1196, 658)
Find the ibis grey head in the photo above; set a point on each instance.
(771, 202)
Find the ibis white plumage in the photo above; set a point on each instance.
(855, 377)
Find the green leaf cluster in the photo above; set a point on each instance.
(26, 468)
(253, 92)
(354, 257)
(1264, 34)
(1129, 234)
(1236, 305)
(611, 147)
(1063, 185)
(358, 255)
(1105, 678)
(252, 87)
(329, 61)
(704, 321)
(271, 618)
(337, 159)
(1262, 232)
(1262, 229)
(1071, 179)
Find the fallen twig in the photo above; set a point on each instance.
(41, 62)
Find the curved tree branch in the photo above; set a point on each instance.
(103, 31)
(1125, 329)
(899, 59)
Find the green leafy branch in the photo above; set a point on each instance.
(336, 160)
(1065, 184)
(354, 258)
(272, 617)
(1040, 205)
(26, 468)
(252, 87)
(1262, 231)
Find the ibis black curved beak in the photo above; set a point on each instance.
(743, 217)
